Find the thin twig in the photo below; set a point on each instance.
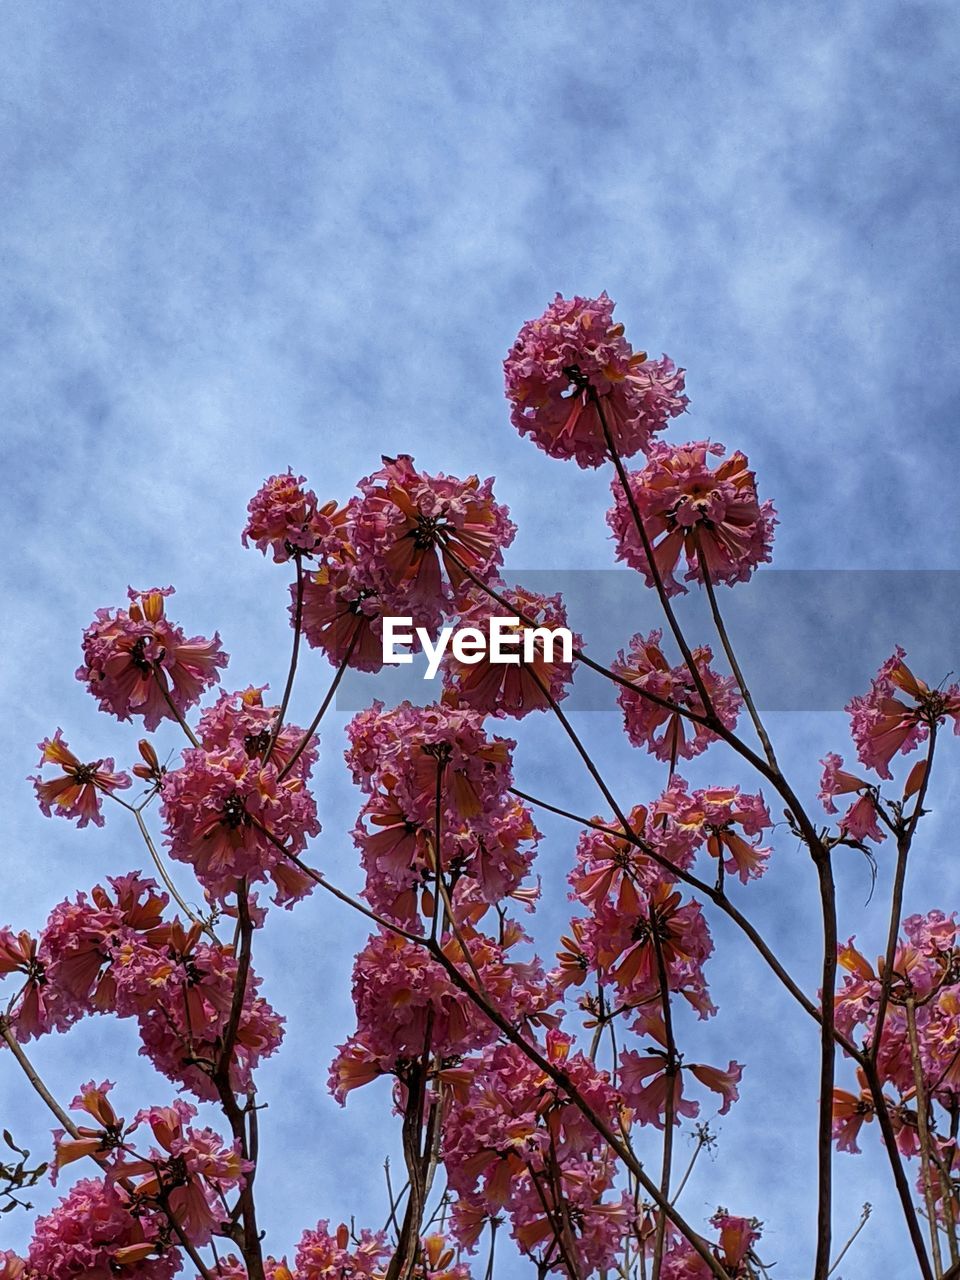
(292, 670)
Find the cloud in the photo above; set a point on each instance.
(240, 238)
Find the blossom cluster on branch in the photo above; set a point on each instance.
(540, 1097)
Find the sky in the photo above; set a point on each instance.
(240, 237)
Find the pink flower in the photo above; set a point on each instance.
(74, 793)
(860, 820)
(883, 724)
(648, 1088)
(11, 1266)
(737, 1238)
(288, 520)
(835, 781)
(511, 689)
(667, 734)
(70, 971)
(719, 1081)
(411, 530)
(574, 349)
(240, 721)
(193, 1169)
(99, 1142)
(713, 814)
(115, 954)
(182, 995)
(712, 517)
(134, 659)
(341, 611)
(400, 993)
(398, 856)
(617, 944)
(92, 1232)
(850, 1112)
(407, 749)
(229, 815)
(323, 1254)
(499, 1139)
(27, 1012)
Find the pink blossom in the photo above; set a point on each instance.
(92, 1232)
(117, 955)
(668, 734)
(571, 353)
(407, 749)
(323, 1254)
(193, 1169)
(100, 1141)
(71, 968)
(648, 1088)
(241, 721)
(709, 516)
(401, 993)
(341, 610)
(74, 792)
(511, 689)
(411, 530)
(719, 1081)
(398, 855)
(499, 1141)
(883, 724)
(287, 519)
(229, 816)
(28, 1011)
(134, 659)
(617, 944)
(713, 814)
(850, 1112)
(737, 1238)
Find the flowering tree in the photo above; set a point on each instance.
(541, 1101)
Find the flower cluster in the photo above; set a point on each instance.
(654, 717)
(711, 516)
(573, 364)
(411, 544)
(883, 724)
(515, 1144)
(287, 519)
(418, 764)
(114, 953)
(420, 537)
(478, 1043)
(96, 1230)
(234, 816)
(923, 989)
(75, 792)
(408, 1006)
(734, 1250)
(137, 662)
(512, 689)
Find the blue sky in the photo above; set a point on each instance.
(237, 237)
